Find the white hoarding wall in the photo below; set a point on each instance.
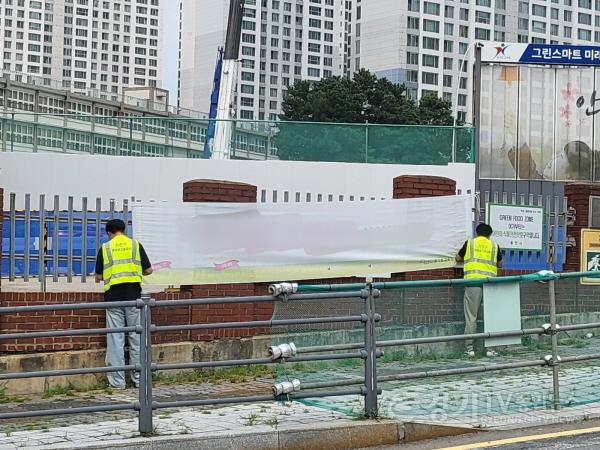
(226, 243)
(161, 179)
(540, 123)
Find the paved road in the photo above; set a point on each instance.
(581, 436)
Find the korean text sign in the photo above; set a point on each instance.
(516, 227)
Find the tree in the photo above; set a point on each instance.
(351, 103)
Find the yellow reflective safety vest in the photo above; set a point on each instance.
(481, 258)
(122, 262)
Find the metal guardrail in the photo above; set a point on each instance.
(145, 404)
(369, 350)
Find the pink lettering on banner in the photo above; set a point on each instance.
(227, 264)
(161, 265)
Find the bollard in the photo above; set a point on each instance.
(371, 357)
(145, 390)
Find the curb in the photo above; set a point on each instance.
(346, 435)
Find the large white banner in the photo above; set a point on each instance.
(236, 243)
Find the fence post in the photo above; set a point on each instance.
(554, 339)
(371, 356)
(145, 388)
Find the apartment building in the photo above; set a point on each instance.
(282, 41)
(423, 43)
(98, 45)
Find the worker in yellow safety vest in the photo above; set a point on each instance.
(482, 258)
(120, 264)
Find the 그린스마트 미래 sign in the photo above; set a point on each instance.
(518, 227)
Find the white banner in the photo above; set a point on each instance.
(208, 243)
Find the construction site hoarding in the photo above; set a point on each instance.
(539, 122)
(207, 243)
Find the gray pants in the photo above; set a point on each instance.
(472, 300)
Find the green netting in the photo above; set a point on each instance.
(488, 399)
(366, 143)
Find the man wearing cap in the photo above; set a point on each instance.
(482, 258)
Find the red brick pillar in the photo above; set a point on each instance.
(227, 192)
(578, 197)
(415, 186)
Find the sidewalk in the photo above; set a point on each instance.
(489, 400)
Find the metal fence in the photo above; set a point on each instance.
(57, 242)
(367, 350)
(556, 217)
(277, 354)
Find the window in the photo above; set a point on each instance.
(431, 8)
(412, 40)
(567, 32)
(554, 29)
(585, 4)
(524, 7)
(500, 20)
(567, 16)
(431, 25)
(538, 27)
(449, 12)
(481, 33)
(449, 29)
(429, 78)
(584, 35)
(462, 47)
(430, 61)
(448, 63)
(313, 72)
(412, 76)
(412, 58)
(483, 17)
(431, 43)
(447, 81)
(463, 31)
(448, 46)
(538, 10)
(413, 23)
(499, 35)
(523, 24)
(585, 19)
(500, 4)
(463, 14)
(462, 100)
(486, 3)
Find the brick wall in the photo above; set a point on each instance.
(400, 306)
(415, 186)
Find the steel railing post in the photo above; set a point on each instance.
(145, 388)
(371, 356)
(554, 340)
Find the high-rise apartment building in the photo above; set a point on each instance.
(282, 41)
(422, 43)
(83, 44)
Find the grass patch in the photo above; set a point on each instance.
(9, 398)
(250, 420)
(237, 374)
(71, 389)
